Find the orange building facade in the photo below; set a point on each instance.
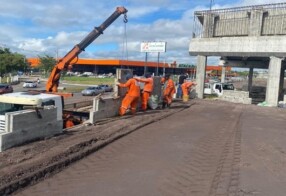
(100, 66)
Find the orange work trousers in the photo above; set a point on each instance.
(126, 102)
(185, 91)
(168, 99)
(144, 100)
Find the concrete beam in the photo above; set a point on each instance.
(247, 64)
(262, 46)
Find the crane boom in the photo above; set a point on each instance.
(53, 81)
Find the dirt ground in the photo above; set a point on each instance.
(256, 82)
(200, 148)
(25, 165)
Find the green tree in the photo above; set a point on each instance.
(11, 62)
(47, 63)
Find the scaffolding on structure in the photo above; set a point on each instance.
(236, 21)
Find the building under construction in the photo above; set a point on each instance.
(248, 37)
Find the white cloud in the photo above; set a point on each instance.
(35, 25)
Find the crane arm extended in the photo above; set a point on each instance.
(53, 81)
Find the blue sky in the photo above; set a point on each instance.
(39, 27)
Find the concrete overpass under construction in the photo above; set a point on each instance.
(248, 37)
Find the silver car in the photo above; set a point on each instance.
(106, 87)
(30, 84)
(92, 91)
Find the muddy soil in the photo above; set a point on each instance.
(27, 164)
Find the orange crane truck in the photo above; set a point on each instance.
(64, 63)
(71, 118)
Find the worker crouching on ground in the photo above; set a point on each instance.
(70, 121)
(186, 86)
(147, 90)
(168, 90)
(132, 96)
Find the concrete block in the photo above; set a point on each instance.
(23, 127)
(236, 97)
(120, 77)
(104, 108)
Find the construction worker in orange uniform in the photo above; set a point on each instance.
(132, 97)
(147, 90)
(186, 86)
(168, 90)
(70, 121)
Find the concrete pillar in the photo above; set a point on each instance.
(256, 18)
(208, 25)
(200, 77)
(281, 84)
(250, 78)
(273, 82)
(223, 74)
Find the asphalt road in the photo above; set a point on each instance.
(77, 97)
(212, 148)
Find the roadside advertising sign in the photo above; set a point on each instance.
(153, 47)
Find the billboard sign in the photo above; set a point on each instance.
(153, 47)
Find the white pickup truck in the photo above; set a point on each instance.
(19, 102)
(26, 116)
(217, 88)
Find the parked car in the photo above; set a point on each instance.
(91, 91)
(30, 84)
(6, 88)
(106, 87)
